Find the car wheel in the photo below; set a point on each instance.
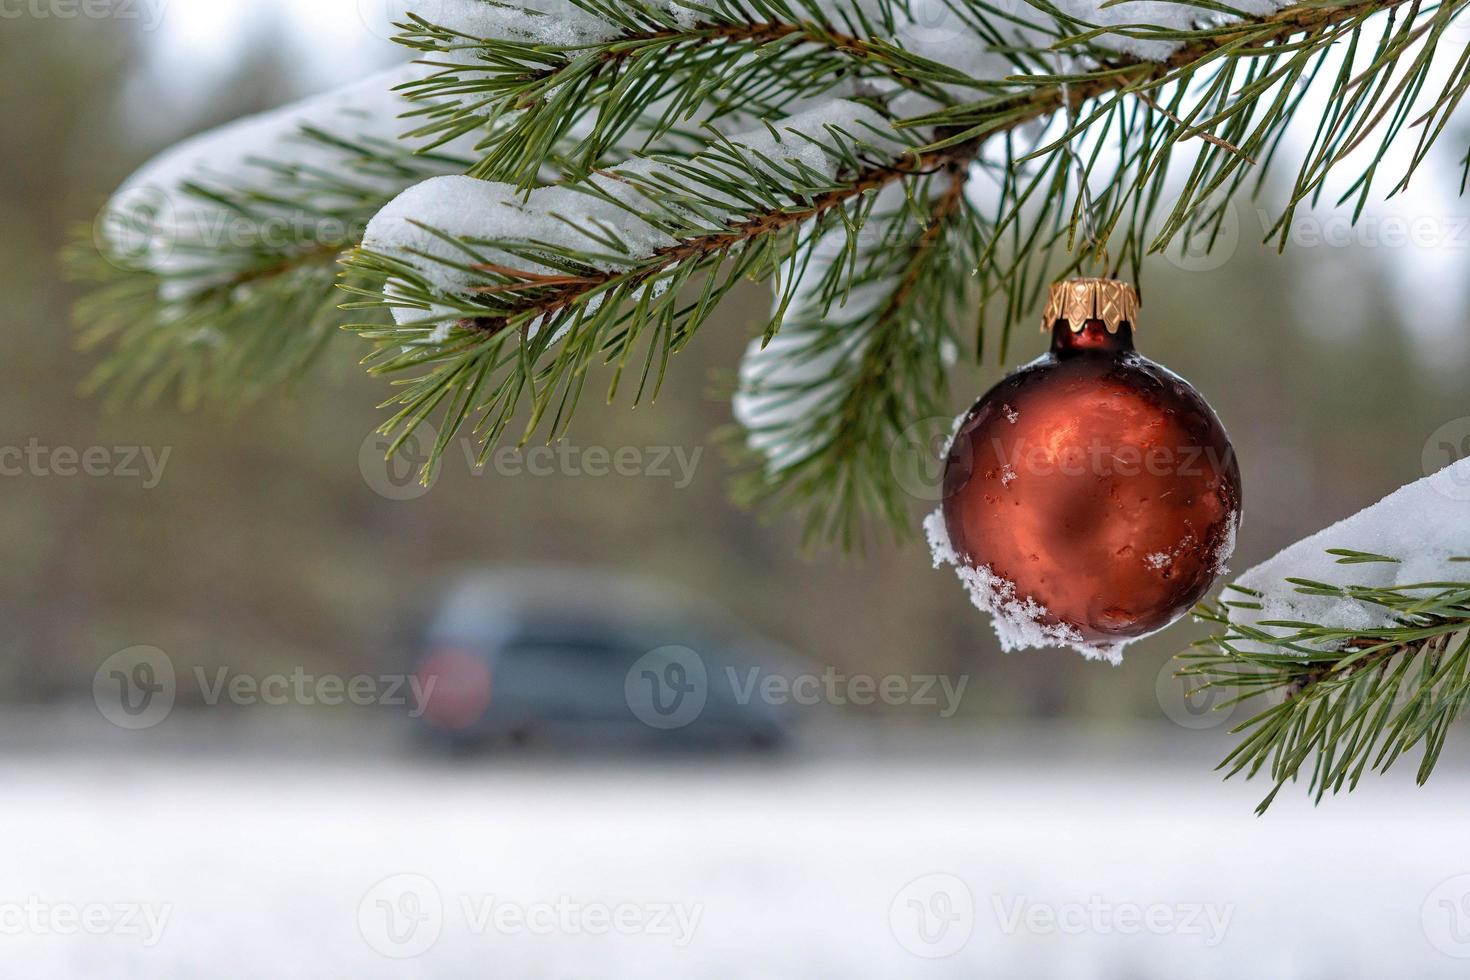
(765, 740)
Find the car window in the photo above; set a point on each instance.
(580, 674)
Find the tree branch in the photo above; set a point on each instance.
(1128, 73)
(555, 299)
(1352, 702)
(956, 151)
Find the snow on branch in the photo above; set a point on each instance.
(1359, 637)
(457, 233)
(1414, 542)
(659, 72)
(581, 188)
(292, 179)
(562, 23)
(568, 273)
(857, 350)
(215, 265)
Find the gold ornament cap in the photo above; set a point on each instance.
(1112, 301)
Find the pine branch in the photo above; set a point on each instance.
(1232, 87)
(659, 72)
(538, 298)
(1344, 700)
(1045, 95)
(740, 207)
(226, 288)
(237, 341)
(538, 90)
(214, 269)
(859, 361)
(604, 109)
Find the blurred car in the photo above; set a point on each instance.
(590, 657)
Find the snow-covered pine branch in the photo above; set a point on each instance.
(868, 331)
(475, 269)
(1423, 528)
(216, 263)
(1360, 635)
(194, 214)
(1007, 99)
(649, 73)
(653, 59)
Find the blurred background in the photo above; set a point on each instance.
(1002, 821)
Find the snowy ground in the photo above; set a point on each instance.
(1070, 859)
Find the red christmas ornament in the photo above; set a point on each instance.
(1092, 496)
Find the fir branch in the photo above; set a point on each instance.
(531, 316)
(234, 309)
(237, 341)
(1346, 701)
(1045, 95)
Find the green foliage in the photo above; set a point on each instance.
(1071, 157)
(1344, 700)
(1215, 111)
(220, 344)
(529, 338)
(877, 325)
(232, 308)
(652, 86)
